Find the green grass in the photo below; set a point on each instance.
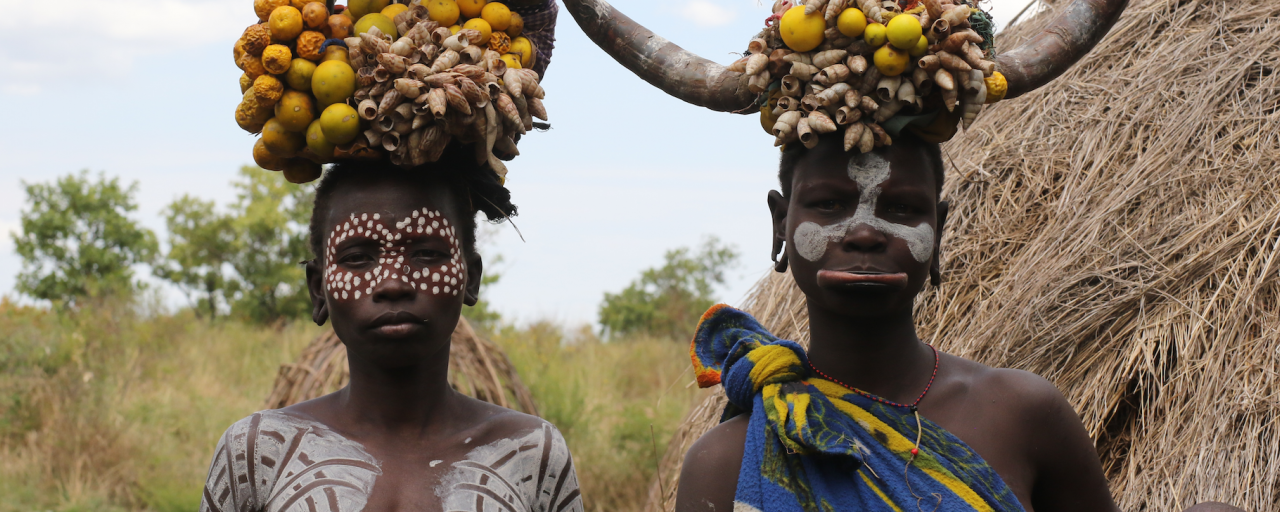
(110, 409)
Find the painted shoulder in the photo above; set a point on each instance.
(531, 471)
(271, 461)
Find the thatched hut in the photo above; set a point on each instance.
(477, 368)
(1116, 231)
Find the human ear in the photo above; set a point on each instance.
(475, 274)
(935, 268)
(315, 288)
(778, 212)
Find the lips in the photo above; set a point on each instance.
(397, 323)
(861, 278)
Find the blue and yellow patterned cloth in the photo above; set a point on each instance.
(815, 446)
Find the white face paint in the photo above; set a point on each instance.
(394, 243)
(870, 171)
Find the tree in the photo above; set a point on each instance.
(78, 241)
(668, 301)
(271, 225)
(202, 243)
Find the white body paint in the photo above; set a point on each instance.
(870, 171)
(443, 280)
(274, 462)
(533, 472)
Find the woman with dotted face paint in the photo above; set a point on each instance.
(395, 265)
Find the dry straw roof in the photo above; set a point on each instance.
(477, 368)
(1116, 232)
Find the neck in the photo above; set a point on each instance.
(880, 355)
(411, 399)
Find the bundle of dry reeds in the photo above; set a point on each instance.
(477, 368)
(1116, 232)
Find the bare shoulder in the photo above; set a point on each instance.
(709, 477)
(486, 421)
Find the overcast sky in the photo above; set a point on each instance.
(146, 90)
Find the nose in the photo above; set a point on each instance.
(392, 288)
(863, 237)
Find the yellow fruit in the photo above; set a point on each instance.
(392, 10)
(921, 48)
(340, 123)
(314, 15)
(513, 61)
(517, 25)
(904, 32)
(360, 8)
(335, 52)
(891, 61)
(251, 116)
(252, 66)
(295, 110)
(256, 38)
(498, 16)
(444, 12)
(500, 42)
(301, 170)
(471, 8)
(801, 33)
(523, 47)
(267, 90)
(482, 26)
(264, 8)
(875, 35)
(333, 82)
(317, 142)
(299, 75)
(383, 23)
(309, 44)
(299, 4)
(340, 26)
(851, 22)
(245, 82)
(281, 142)
(265, 159)
(997, 87)
(276, 59)
(453, 29)
(285, 23)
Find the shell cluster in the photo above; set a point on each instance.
(382, 80)
(855, 76)
(432, 86)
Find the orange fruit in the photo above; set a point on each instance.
(444, 12)
(471, 8)
(314, 15)
(498, 16)
(482, 26)
(517, 25)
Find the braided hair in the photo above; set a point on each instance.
(476, 187)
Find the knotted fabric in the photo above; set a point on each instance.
(815, 446)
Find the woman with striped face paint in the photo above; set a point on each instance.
(395, 264)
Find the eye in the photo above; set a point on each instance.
(829, 205)
(900, 209)
(355, 258)
(429, 254)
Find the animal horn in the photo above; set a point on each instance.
(662, 63)
(1056, 48)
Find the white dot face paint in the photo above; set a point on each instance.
(392, 264)
(870, 171)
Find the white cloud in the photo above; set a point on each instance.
(86, 40)
(705, 13)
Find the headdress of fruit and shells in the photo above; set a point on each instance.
(374, 79)
(867, 68)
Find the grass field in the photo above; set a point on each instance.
(112, 409)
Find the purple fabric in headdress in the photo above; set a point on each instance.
(540, 28)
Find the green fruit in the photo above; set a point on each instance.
(339, 123)
(299, 75)
(379, 20)
(317, 142)
(333, 82)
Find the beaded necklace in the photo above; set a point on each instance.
(913, 407)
